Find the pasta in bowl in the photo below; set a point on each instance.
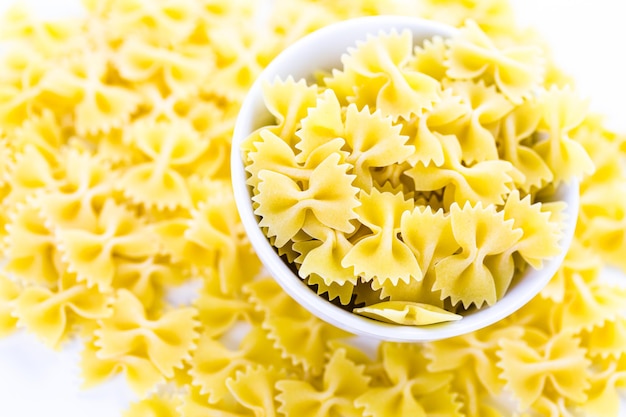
(405, 180)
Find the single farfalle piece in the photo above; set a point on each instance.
(324, 123)
(91, 251)
(408, 388)
(363, 133)
(52, 314)
(329, 196)
(44, 132)
(270, 152)
(486, 107)
(407, 313)
(430, 58)
(381, 255)
(481, 232)
(516, 70)
(588, 302)
(607, 340)
(559, 363)
(516, 130)
(376, 74)
(165, 341)
(323, 258)
(288, 101)
(541, 235)
(9, 292)
(255, 388)
(343, 381)
(562, 110)
(425, 131)
(429, 235)
(141, 374)
(29, 173)
(486, 181)
(31, 249)
(167, 146)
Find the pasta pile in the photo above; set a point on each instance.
(115, 131)
(408, 184)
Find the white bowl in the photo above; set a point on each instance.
(322, 50)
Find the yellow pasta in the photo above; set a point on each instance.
(52, 314)
(343, 381)
(129, 336)
(409, 313)
(444, 148)
(562, 111)
(297, 334)
(381, 256)
(564, 367)
(91, 252)
(467, 276)
(404, 366)
(115, 135)
(606, 379)
(9, 291)
(153, 406)
(255, 388)
(31, 248)
(329, 196)
(516, 70)
(377, 72)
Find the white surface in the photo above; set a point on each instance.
(586, 36)
(323, 51)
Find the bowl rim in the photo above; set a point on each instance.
(295, 61)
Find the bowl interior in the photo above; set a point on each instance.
(322, 50)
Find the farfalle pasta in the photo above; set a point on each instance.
(54, 313)
(398, 173)
(123, 116)
(343, 381)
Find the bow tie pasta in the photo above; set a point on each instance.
(411, 182)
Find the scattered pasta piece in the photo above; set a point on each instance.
(407, 313)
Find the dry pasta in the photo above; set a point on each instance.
(450, 145)
(114, 140)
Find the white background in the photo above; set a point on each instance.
(587, 37)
